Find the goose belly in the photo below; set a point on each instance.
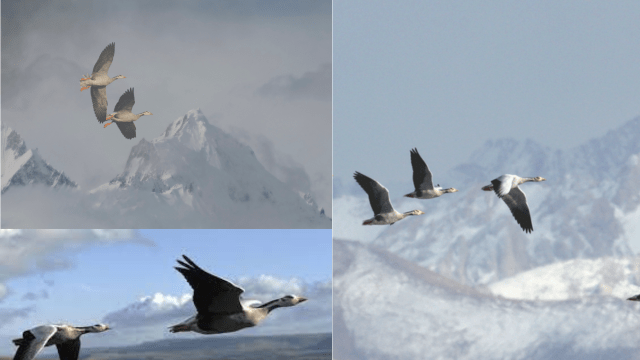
(428, 194)
(228, 323)
(383, 219)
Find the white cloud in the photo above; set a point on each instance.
(8, 315)
(151, 310)
(24, 252)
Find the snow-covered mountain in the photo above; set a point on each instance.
(22, 166)
(388, 308)
(573, 279)
(204, 177)
(194, 175)
(587, 208)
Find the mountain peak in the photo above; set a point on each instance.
(21, 165)
(208, 173)
(193, 121)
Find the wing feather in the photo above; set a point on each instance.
(104, 61)
(128, 129)
(33, 341)
(502, 185)
(422, 177)
(378, 194)
(211, 295)
(69, 350)
(516, 200)
(126, 101)
(99, 100)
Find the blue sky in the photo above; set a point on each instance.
(112, 275)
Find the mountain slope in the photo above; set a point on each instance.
(199, 171)
(587, 208)
(22, 166)
(392, 309)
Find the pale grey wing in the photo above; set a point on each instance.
(33, 342)
(99, 100)
(502, 185)
(69, 350)
(516, 200)
(378, 194)
(104, 61)
(126, 101)
(128, 129)
(422, 178)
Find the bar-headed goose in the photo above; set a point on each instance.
(218, 303)
(506, 187)
(383, 211)
(65, 337)
(123, 117)
(422, 180)
(99, 80)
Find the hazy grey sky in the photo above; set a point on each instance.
(446, 76)
(262, 69)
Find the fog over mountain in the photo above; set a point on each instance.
(193, 175)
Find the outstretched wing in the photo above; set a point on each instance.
(421, 174)
(126, 101)
(69, 350)
(502, 185)
(33, 341)
(378, 194)
(104, 61)
(99, 100)
(516, 200)
(128, 129)
(211, 295)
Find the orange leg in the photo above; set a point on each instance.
(109, 117)
(85, 78)
(107, 124)
(85, 88)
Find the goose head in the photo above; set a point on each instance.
(291, 300)
(539, 178)
(450, 190)
(99, 328)
(414, 212)
(119, 77)
(146, 113)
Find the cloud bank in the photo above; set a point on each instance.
(25, 252)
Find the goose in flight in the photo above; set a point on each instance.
(422, 180)
(506, 187)
(65, 337)
(384, 213)
(99, 80)
(123, 117)
(218, 303)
